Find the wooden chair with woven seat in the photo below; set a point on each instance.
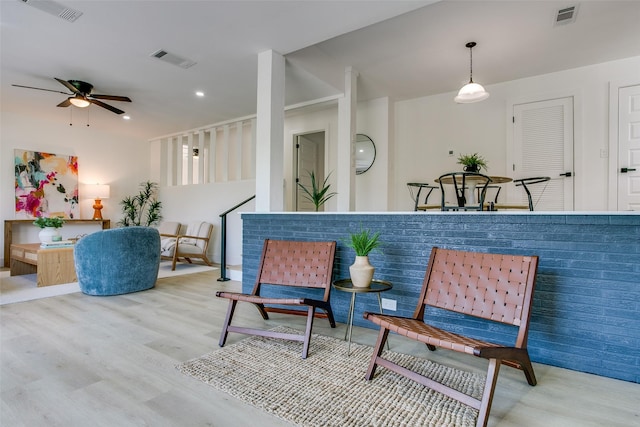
(494, 287)
(306, 266)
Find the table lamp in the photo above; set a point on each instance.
(97, 192)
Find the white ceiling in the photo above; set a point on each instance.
(402, 49)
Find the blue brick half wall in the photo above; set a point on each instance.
(586, 312)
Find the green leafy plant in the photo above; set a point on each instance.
(143, 208)
(54, 221)
(364, 241)
(472, 162)
(316, 195)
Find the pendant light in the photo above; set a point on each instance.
(471, 92)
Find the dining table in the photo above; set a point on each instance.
(472, 181)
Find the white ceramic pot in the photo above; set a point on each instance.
(361, 272)
(47, 234)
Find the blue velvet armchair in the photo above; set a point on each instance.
(118, 261)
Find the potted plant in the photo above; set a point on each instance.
(316, 195)
(143, 208)
(362, 242)
(50, 228)
(472, 162)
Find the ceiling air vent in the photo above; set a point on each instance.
(165, 56)
(566, 15)
(54, 8)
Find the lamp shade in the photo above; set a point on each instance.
(471, 92)
(79, 101)
(97, 191)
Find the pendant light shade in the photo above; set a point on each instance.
(471, 92)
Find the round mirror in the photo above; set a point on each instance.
(365, 153)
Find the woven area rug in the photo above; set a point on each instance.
(328, 388)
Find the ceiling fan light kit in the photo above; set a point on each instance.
(82, 95)
(79, 101)
(471, 92)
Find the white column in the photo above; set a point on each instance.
(238, 152)
(270, 133)
(213, 139)
(201, 153)
(189, 159)
(347, 106)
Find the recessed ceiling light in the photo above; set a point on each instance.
(126, 118)
(199, 93)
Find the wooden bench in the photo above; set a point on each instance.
(489, 286)
(304, 265)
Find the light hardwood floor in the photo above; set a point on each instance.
(78, 360)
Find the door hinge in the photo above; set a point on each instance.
(513, 119)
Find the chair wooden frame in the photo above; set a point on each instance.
(287, 263)
(489, 286)
(177, 254)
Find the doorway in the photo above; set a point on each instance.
(309, 152)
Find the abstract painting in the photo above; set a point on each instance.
(46, 185)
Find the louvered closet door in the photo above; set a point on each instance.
(543, 146)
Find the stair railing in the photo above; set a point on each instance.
(223, 239)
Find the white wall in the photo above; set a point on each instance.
(372, 120)
(206, 202)
(426, 128)
(102, 157)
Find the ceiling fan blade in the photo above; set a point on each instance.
(111, 97)
(64, 103)
(68, 85)
(107, 106)
(39, 88)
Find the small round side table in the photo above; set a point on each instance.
(345, 285)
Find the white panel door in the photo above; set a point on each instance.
(629, 148)
(543, 146)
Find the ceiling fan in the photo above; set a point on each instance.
(82, 95)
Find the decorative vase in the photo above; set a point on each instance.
(49, 234)
(471, 168)
(361, 272)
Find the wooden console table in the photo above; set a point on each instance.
(53, 266)
(8, 231)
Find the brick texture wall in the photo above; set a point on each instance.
(586, 313)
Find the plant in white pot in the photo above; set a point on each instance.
(50, 228)
(362, 243)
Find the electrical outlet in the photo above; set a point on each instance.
(604, 153)
(450, 153)
(388, 304)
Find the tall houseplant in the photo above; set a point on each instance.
(143, 208)
(316, 195)
(363, 243)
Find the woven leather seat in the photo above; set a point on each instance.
(494, 287)
(294, 264)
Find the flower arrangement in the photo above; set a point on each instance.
(54, 221)
(472, 162)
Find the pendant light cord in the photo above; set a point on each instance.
(471, 64)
